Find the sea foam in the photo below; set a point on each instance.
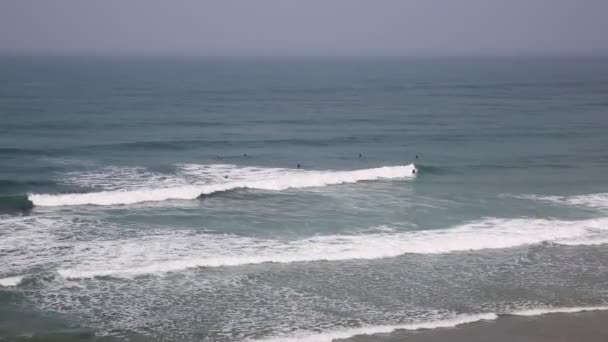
(275, 179)
(11, 281)
(544, 311)
(378, 329)
(181, 250)
(596, 201)
(330, 335)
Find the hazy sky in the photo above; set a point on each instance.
(305, 27)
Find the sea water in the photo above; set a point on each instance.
(297, 200)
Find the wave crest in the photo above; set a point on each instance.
(280, 179)
(183, 250)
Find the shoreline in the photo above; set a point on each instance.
(586, 326)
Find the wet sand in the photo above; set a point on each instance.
(558, 327)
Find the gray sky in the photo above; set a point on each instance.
(305, 27)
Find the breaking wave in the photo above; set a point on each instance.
(14, 203)
(157, 254)
(271, 179)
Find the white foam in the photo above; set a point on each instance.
(112, 178)
(597, 201)
(262, 179)
(183, 249)
(379, 329)
(11, 281)
(586, 241)
(27, 241)
(331, 335)
(35, 243)
(544, 311)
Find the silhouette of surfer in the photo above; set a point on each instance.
(298, 165)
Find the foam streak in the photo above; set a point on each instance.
(380, 329)
(446, 323)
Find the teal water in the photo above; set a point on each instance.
(162, 200)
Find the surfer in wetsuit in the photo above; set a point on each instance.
(298, 165)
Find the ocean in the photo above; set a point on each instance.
(151, 199)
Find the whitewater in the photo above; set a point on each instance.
(328, 336)
(278, 179)
(180, 250)
(10, 281)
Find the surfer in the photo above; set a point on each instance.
(298, 165)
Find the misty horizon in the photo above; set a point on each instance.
(288, 29)
(600, 54)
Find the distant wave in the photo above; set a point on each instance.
(187, 144)
(275, 179)
(190, 144)
(331, 335)
(183, 250)
(597, 201)
(7, 151)
(7, 183)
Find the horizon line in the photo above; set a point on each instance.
(300, 56)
